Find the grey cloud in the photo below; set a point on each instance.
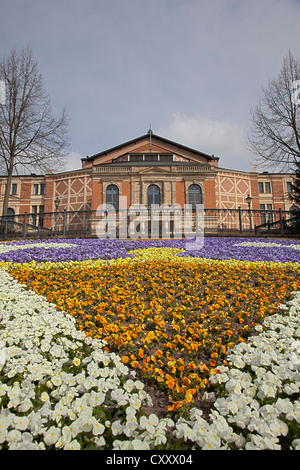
(118, 65)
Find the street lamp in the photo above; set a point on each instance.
(248, 200)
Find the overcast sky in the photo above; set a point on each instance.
(191, 68)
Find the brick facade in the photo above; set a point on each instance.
(146, 162)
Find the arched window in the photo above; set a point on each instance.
(153, 195)
(10, 217)
(194, 195)
(10, 212)
(112, 196)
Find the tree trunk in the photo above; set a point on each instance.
(8, 188)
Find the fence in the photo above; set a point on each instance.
(216, 222)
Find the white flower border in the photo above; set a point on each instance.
(293, 246)
(55, 383)
(5, 248)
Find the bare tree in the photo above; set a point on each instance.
(274, 135)
(31, 138)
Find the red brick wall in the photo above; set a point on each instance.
(49, 195)
(180, 193)
(126, 191)
(209, 194)
(25, 196)
(254, 192)
(277, 187)
(97, 194)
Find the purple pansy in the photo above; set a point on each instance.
(221, 248)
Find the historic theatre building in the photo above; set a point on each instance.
(149, 170)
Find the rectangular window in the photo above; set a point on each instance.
(35, 189)
(14, 188)
(289, 186)
(262, 214)
(34, 214)
(166, 158)
(270, 214)
(268, 187)
(41, 216)
(136, 158)
(42, 189)
(260, 187)
(151, 158)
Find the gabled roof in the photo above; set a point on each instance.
(155, 137)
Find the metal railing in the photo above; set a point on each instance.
(84, 223)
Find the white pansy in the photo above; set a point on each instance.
(268, 245)
(130, 426)
(6, 418)
(296, 444)
(96, 398)
(20, 423)
(135, 401)
(117, 427)
(129, 385)
(183, 430)
(10, 247)
(138, 444)
(14, 436)
(100, 442)
(52, 435)
(149, 423)
(73, 445)
(98, 428)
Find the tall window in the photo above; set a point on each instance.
(194, 195)
(153, 195)
(268, 187)
(112, 196)
(10, 212)
(34, 215)
(261, 187)
(10, 216)
(41, 216)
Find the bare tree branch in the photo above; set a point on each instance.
(274, 136)
(31, 137)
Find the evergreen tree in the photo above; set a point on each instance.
(295, 194)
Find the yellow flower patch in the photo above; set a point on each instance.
(171, 319)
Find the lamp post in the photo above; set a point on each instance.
(56, 202)
(248, 200)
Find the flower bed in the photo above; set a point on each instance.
(61, 250)
(121, 319)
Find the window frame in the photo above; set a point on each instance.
(153, 197)
(193, 200)
(112, 196)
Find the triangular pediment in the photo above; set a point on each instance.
(150, 144)
(152, 169)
